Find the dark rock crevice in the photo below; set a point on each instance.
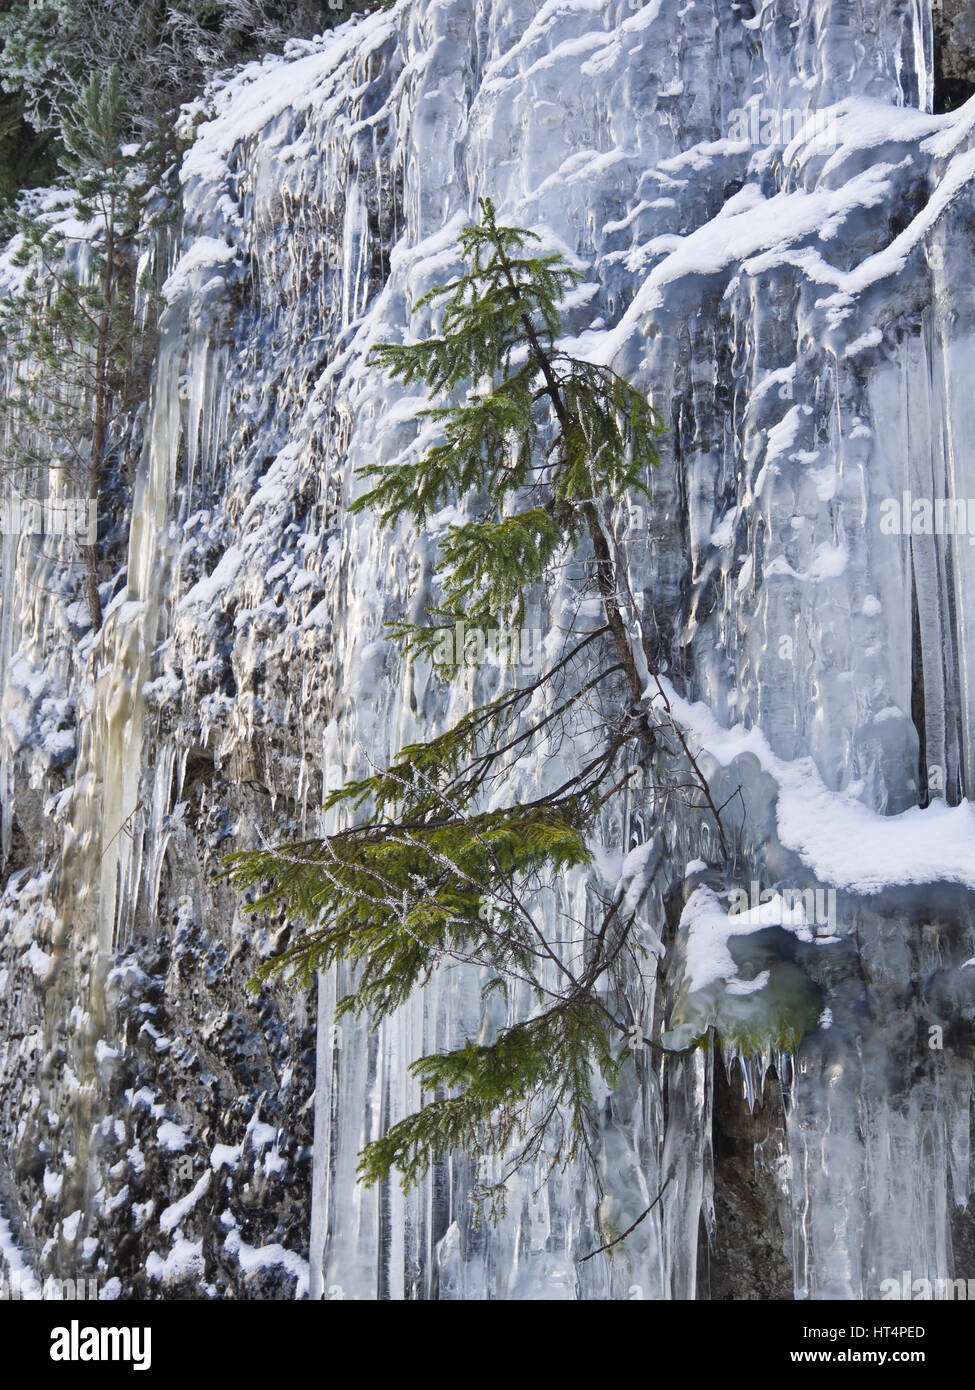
(745, 1256)
(954, 53)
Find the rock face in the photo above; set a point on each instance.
(954, 53)
(776, 233)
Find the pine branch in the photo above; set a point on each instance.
(445, 860)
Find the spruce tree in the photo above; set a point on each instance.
(441, 861)
(165, 50)
(70, 330)
(26, 158)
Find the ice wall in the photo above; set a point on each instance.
(776, 235)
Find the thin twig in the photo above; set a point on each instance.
(629, 1230)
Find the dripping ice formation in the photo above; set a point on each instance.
(802, 314)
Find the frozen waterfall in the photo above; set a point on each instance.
(776, 234)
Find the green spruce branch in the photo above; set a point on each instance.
(442, 863)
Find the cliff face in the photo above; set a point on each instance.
(776, 234)
(954, 53)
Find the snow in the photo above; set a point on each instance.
(175, 1214)
(254, 1259)
(29, 1286)
(204, 251)
(709, 927)
(39, 961)
(264, 91)
(172, 1137)
(841, 840)
(183, 1261)
(225, 1156)
(206, 590)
